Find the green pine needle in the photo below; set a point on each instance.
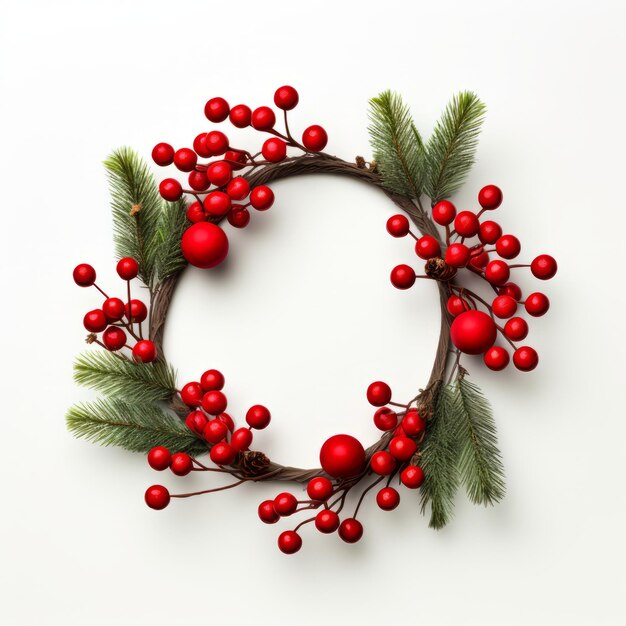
(452, 147)
(397, 146)
(135, 427)
(172, 224)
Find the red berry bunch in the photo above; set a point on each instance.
(217, 172)
(470, 244)
(117, 318)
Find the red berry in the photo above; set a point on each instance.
(525, 358)
(490, 197)
(342, 456)
(543, 267)
(466, 224)
(319, 489)
(413, 423)
(144, 351)
(239, 217)
(240, 116)
(327, 521)
(314, 138)
(285, 504)
(84, 275)
(200, 146)
(114, 338)
(456, 305)
(511, 289)
(114, 309)
(378, 393)
(204, 245)
(516, 329)
(236, 160)
(136, 311)
(382, 463)
(412, 476)
(289, 542)
(385, 419)
(537, 304)
(95, 321)
(238, 188)
(219, 173)
(191, 394)
(402, 448)
(159, 458)
(258, 417)
(496, 358)
(228, 420)
(478, 257)
(508, 246)
(489, 232)
(163, 154)
(181, 464)
(216, 110)
(195, 213)
(185, 159)
(387, 498)
(427, 247)
(473, 332)
(274, 150)
(170, 189)
(215, 431)
(398, 226)
(196, 422)
(286, 98)
(402, 276)
(497, 272)
(214, 402)
(351, 530)
(241, 439)
(212, 380)
(266, 512)
(157, 497)
(127, 268)
(444, 212)
(263, 118)
(222, 453)
(457, 255)
(216, 142)
(217, 203)
(199, 181)
(504, 306)
(262, 198)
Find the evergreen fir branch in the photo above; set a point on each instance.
(135, 427)
(452, 147)
(172, 225)
(397, 145)
(439, 459)
(480, 464)
(117, 377)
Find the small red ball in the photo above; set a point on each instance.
(398, 226)
(170, 189)
(262, 198)
(412, 476)
(543, 267)
(489, 232)
(387, 498)
(222, 453)
(216, 110)
(402, 448)
(214, 402)
(136, 311)
(199, 181)
(314, 138)
(473, 332)
(258, 417)
(195, 213)
(181, 464)
(185, 159)
(286, 98)
(163, 154)
(196, 421)
(490, 197)
(457, 255)
(504, 306)
(95, 321)
(511, 289)
(351, 530)
(289, 542)
(212, 380)
(200, 146)
(127, 268)
(263, 118)
(217, 203)
(144, 351)
(427, 247)
(478, 257)
(385, 419)
(496, 358)
(497, 272)
(191, 394)
(266, 512)
(327, 521)
(285, 504)
(516, 329)
(508, 246)
(238, 188)
(525, 358)
(228, 420)
(382, 463)
(319, 489)
(239, 217)
(215, 431)
(413, 423)
(114, 338)
(204, 245)
(537, 304)
(342, 456)
(379, 393)
(219, 173)
(159, 458)
(157, 497)
(274, 150)
(466, 224)
(84, 275)
(402, 276)
(444, 212)
(237, 160)
(240, 116)
(456, 305)
(241, 439)
(114, 309)
(216, 142)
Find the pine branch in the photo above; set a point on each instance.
(439, 460)
(114, 376)
(397, 145)
(452, 147)
(136, 427)
(172, 225)
(480, 464)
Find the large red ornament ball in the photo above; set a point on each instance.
(388, 498)
(95, 321)
(314, 138)
(342, 456)
(144, 351)
(427, 247)
(157, 497)
(327, 521)
(159, 458)
(473, 332)
(537, 304)
(496, 358)
(114, 338)
(163, 154)
(398, 225)
(444, 212)
(84, 275)
(289, 541)
(319, 488)
(286, 98)
(204, 245)
(490, 197)
(258, 417)
(216, 110)
(379, 393)
(543, 267)
(266, 512)
(525, 358)
(402, 276)
(351, 530)
(412, 476)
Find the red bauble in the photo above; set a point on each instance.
(473, 332)
(456, 306)
(212, 380)
(444, 212)
(198, 181)
(412, 476)
(387, 498)
(216, 110)
(413, 423)
(170, 189)
(222, 453)
(159, 458)
(191, 394)
(185, 159)
(342, 456)
(516, 329)
(219, 173)
(136, 311)
(114, 309)
(157, 497)
(285, 504)
(238, 188)
(314, 138)
(240, 116)
(195, 213)
(497, 272)
(489, 232)
(181, 464)
(466, 224)
(504, 306)
(144, 351)
(398, 226)
(274, 150)
(266, 512)
(216, 142)
(402, 448)
(543, 267)
(490, 197)
(351, 530)
(379, 393)
(200, 146)
(427, 247)
(511, 289)
(215, 431)
(239, 217)
(382, 463)
(286, 98)
(327, 521)
(496, 358)
(385, 419)
(196, 422)
(508, 246)
(217, 203)
(163, 154)
(241, 439)
(457, 255)
(402, 276)
(289, 542)
(262, 198)
(204, 245)
(127, 268)
(525, 358)
(95, 321)
(258, 417)
(319, 489)
(114, 338)
(84, 275)
(537, 304)
(214, 402)
(263, 118)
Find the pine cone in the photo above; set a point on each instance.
(438, 269)
(253, 463)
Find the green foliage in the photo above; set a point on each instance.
(397, 145)
(451, 148)
(136, 427)
(172, 224)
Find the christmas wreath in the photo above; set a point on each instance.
(439, 440)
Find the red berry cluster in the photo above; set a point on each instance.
(117, 318)
(216, 188)
(467, 246)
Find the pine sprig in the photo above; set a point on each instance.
(480, 464)
(172, 224)
(450, 152)
(397, 145)
(114, 376)
(135, 427)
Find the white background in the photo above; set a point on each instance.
(302, 316)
